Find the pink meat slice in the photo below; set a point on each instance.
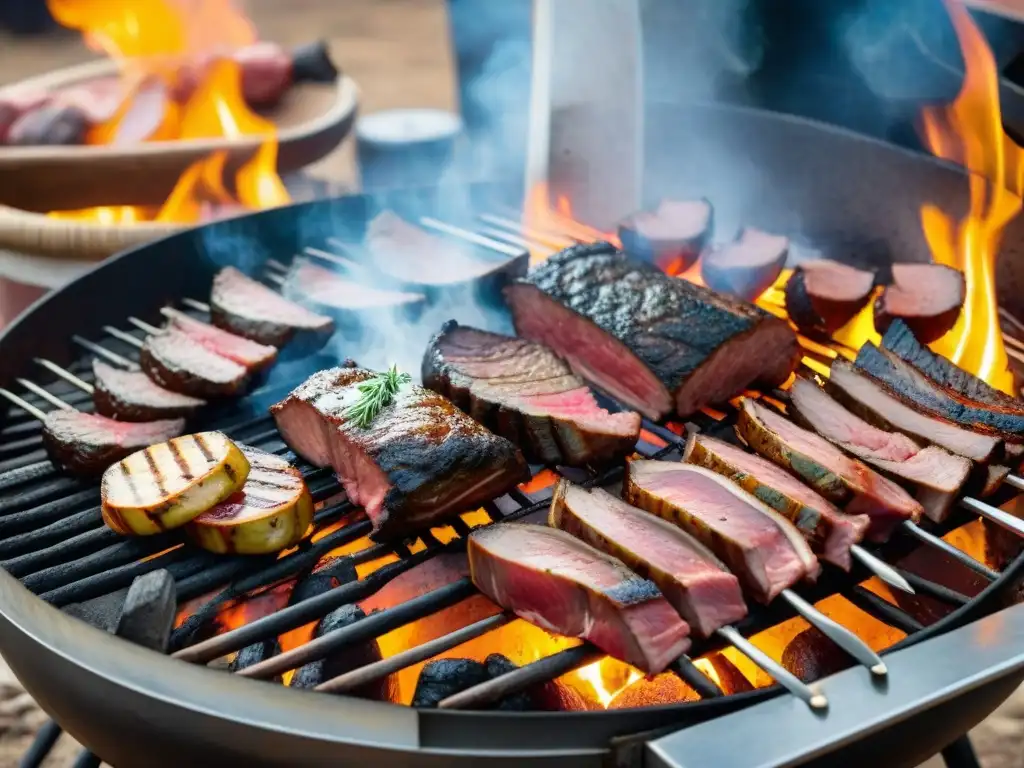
(251, 354)
(560, 584)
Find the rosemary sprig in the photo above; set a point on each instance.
(374, 395)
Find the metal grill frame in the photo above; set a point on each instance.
(182, 260)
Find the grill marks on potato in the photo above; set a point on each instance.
(168, 484)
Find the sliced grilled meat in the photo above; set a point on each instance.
(85, 444)
(936, 474)
(823, 295)
(654, 342)
(899, 339)
(179, 363)
(557, 582)
(687, 573)
(330, 292)
(420, 460)
(839, 478)
(672, 236)
(915, 389)
(271, 512)
(878, 405)
(132, 396)
(528, 394)
(169, 484)
(829, 531)
(747, 267)
(248, 308)
(928, 297)
(253, 356)
(760, 546)
(413, 256)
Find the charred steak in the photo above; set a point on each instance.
(132, 396)
(760, 546)
(829, 531)
(557, 582)
(915, 389)
(420, 460)
(86, 444)
(899, 339)
(686, 572)
(657, 343)
(523, 391)
(937, 475)
(836, 476)
(248, 308)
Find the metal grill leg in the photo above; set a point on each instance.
(41, 746)
(960, 754)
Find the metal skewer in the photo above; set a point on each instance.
(464, 234)
(813, 698)
(105, 353)
(882, 569)
(961, 557)
(127, 338)
(837, 633)
(68, 376)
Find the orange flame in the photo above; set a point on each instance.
(970, 132)
(159, 40)
(555, 227)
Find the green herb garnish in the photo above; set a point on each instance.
(374, 394)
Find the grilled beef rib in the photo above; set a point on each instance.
(523, 391)
(656, 343)
(421, 459)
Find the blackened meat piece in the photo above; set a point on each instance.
(900, 340)
(841, 479)
(132, 396)
(346, 659)
(927, 297)
(86, 444)
(823, 295)
(248, 308)
(421, 459)
(672, 236)
(654, 342)
(936, 474)
(747, 267)
(915, 389)
(179, 363)
(525, 392)
(560, 584)
(830, 531)
(877, 404)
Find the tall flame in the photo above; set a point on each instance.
(970, 132)
(160, 41)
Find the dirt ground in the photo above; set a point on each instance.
(398, 52)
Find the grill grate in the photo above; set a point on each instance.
(52, 538)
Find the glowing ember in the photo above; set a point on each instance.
(158, 44)
(970, 132)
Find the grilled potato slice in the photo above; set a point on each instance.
(168, 484)
(271, 512)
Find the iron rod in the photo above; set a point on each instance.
(1003, 519)
(143, 326)
(275, 264)
(106, 354)
(202, 306)
(51, 399)
(52, 534)
(873, 605)
(380, 669)
(371, 627)
(68, 376)
(471, 237)
(881, 569)
(551, 239)
(127, 338)
(26, 474)
(688, 672)
(838, 634)
(961, 557)
(277, 280)
(1015, 482)
(41, 745)
(781, 675)
(25, 406)
(333, 258)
